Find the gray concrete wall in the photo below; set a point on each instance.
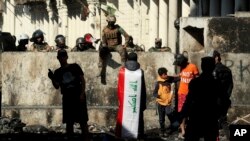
(28, 93)
(199, 36)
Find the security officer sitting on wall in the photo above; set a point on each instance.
(131, 47)
(23, 42)
(61, 43)
(38, 42)
(7, 42)
(85, 43)
(158, 46)
(112, 41)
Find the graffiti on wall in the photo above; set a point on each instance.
(242, 68)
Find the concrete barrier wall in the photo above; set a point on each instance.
(228, 35)
(28, 93)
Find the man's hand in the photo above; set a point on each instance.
(50, 74)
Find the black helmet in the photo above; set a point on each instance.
(79, 40)
(37, 34)
(60, 38)
(180, 60)
(158, 43)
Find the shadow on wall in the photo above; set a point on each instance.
(196, 33)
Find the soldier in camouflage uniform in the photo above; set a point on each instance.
(112, 41)
(158, 46)
(38, 42)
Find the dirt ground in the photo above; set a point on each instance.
(151, 135)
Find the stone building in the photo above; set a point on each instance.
(143, 19)
(204, 24)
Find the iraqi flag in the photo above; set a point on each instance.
(129, 96)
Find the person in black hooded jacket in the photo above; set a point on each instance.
(131, 65)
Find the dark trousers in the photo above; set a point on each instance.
(171, 116)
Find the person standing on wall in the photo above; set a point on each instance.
(70, 79)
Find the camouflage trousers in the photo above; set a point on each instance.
(105, 54)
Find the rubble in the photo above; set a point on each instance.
(15, 130)
(245, 120)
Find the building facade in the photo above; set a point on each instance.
(145, 20)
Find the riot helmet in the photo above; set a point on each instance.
(79, 40)
(80, 43)
(23, 37)
(23, 40)
(36, 35)
(60, 40)
(88, 38)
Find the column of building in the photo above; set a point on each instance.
(193, 9)
(9, 17)
(173, 10)
(153, 23)
(163, 22)
(137, 22)
(185, 8)
(63, 18)
(50, 24)
(94, 20)
(91, 18)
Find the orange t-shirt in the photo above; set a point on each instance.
(186, 75)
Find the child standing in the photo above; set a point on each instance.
(164, 95)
